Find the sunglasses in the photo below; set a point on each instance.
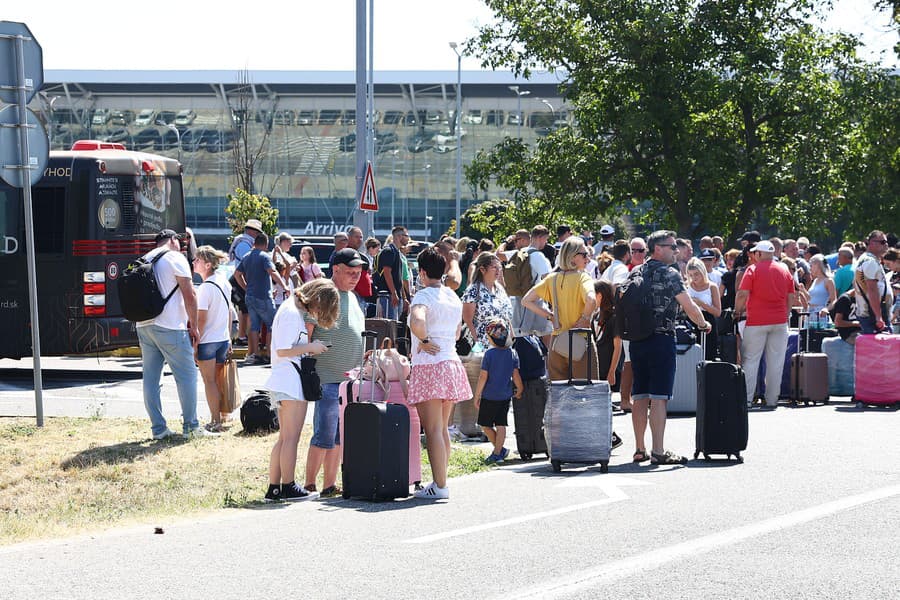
(638, 250)
(581, 254)
(882, 242)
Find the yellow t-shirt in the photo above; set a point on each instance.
(571, 289)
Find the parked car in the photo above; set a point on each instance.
(514, 118)
(146, 138)
(385, 141)
(194, 139)
(166, 116)
(185, 117)
(221, 140)
(100, 116)
(473, 117)
(348, 143)
(495, 117)
(117, 136)
(329, 117)
(393, 117)
(121, 117)
(168, 140)
(145, 117)
(306, 117)
(349, 117)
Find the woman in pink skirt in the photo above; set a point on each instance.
(437, 379)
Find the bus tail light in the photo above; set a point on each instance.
(93, 288)
(94, 311)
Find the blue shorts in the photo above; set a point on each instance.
(326, 434)
(653, 367)
(213, 350)
(261, 310)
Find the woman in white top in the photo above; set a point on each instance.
(437, 379)
(705, 295)
(289, 344)
(214, 324)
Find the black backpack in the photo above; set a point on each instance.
(139, 296)
(258, 415)
(635, 317)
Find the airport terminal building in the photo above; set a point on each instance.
(302, 126)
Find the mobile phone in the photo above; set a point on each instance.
(327, 344)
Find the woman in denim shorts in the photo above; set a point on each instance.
(214, 322)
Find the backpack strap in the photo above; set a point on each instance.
(221, 291)
(152, 265)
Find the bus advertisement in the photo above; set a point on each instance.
(96, 209)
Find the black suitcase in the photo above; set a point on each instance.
(376, 451)
(722, 423)
(528, 413)
(816, 337)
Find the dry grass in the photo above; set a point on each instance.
(77, 475)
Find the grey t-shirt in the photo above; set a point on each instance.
(345, 338)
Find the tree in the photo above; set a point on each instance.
(711, 113)
(243, 205)
(248, 150)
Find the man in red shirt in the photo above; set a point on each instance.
(765, 295)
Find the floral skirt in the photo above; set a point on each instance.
(445, 380)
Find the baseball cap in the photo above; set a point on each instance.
(166, 234)
(607, 230)
(751, 236)
(707, 254)
(253, 224)
(349, 257)
(763, 246)
(498, 332)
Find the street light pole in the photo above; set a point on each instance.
(550, 106)
(171, 127)
(458, 134)
(427, 186)
(515, 90)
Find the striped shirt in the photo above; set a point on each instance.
(345, 339)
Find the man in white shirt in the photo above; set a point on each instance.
(873, 293)
(617, 272)
(170, 338)
(525, 322)
(607, 233)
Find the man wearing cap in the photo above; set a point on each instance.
(345, 349)
(255, 275)
(240, 247)
(710, 261)
(764, 296)
(170, 338)
(607, 233)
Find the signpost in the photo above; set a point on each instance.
(22, 160)
(368, 199)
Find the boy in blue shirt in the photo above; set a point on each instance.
(494, 391)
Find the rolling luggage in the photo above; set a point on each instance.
(877, 366)
(375, 443)
(840, 366)
(684, 394)
(578, 418)
(816, 338)
(809, 377)
(722, 423)
(527, 414)
(785, 392)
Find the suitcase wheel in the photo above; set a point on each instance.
(861, 405)
(526, 456)
(557, 466)
(739, 458)
(706, 457)
(604, 467)
(346, 495)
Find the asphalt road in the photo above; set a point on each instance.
(813, 512)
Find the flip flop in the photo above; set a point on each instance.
(640, 456)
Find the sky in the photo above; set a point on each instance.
(298, 35)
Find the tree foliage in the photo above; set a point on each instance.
(242, 205)
(709, 114)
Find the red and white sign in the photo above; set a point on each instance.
(369, 199)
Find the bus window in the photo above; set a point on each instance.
(49, 219)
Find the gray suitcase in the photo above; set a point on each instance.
(809, 376)
(684, 395)
(578, 419)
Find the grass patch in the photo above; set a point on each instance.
(76, 475)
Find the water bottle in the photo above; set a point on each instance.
(478, 348)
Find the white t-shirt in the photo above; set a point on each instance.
(288, 330)
(540, 265)
(869, 267)
(616, 273)
(171, 265)
(444, 315)
(603, 245)
(715, 276)
(218, 313)
(591, 268)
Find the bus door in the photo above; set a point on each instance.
(54, 281)
(14, 313)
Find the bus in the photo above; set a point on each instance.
(97, 207)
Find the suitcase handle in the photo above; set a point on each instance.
(587, 334)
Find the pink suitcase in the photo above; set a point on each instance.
(877, 368)
(363, 390)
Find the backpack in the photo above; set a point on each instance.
(139, 294)
(635, 317)
(517, 273)
(257, 413)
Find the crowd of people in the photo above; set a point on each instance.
(490, 295)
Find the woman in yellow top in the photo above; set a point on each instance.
(575, 293)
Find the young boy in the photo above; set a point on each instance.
(499, 370)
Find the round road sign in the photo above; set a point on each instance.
(34, 61)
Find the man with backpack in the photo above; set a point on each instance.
(170, 337)
(524, 268)
(646, 312)
(388, 272)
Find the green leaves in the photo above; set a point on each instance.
(243, 205)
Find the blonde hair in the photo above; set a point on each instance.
(572, 246)
(210, 255)
(819, 259)
(461, 244)
(320, 298)
(695, 264)
(484, 260)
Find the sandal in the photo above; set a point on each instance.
(667, 458)
(640, 456)
(331, 490)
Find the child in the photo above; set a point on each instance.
(499, 370)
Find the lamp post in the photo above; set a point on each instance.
(427, 186)
(171, 127)
(515, 90)
(393, 188)
(458, 134)
(550, 106)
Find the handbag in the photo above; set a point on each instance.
(388, 365)
(309, 379)
(560, 344)
(231, 398)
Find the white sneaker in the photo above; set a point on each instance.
(455, 434)
(433, 492)
(200, 432)
(165, 434)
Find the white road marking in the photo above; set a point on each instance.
(608, 483)
(640, 563)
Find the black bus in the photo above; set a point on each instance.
(96, 209)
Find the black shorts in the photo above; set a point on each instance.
(492, 413)
(238, 296)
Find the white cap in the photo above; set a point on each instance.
(763, 246)
(607, 230)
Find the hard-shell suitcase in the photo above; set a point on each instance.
(877, 369)
(375, 443)
(722, 423)
(841, 376)
(684, 394)
(809, 377)
(578, 418)
(528, 412)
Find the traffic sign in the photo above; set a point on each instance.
(369, 199)
(34, 62)
(38, 148)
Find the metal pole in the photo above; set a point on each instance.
(427, 186)
(370, 140)
(393, 189)
(458, 135)
(29, 232)
(359, 217)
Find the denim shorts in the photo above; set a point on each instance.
(326, 434)
(211, 350)
(653, 367)
(262, 310)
